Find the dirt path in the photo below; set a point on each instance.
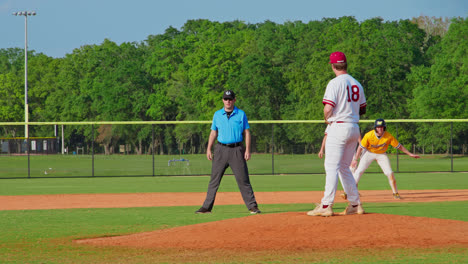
(65, 201)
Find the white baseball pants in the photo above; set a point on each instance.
(367, 158)
(342, 139)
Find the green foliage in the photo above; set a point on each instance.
(11, 88)
(409, 69)
(441, 88)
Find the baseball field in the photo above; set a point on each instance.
(152, 220)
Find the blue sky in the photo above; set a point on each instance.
(63, 25)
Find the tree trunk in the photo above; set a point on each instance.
(106, 149)
(161, 147)
(140, 147)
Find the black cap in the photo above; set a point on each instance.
(229, 95)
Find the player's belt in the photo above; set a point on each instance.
(232, 145)
(340, 122)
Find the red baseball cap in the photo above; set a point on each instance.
(337, 57)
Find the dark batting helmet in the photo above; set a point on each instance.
(380, 122)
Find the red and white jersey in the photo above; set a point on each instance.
(346, 95)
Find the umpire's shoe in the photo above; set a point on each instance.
(203, 210)
(255, 210)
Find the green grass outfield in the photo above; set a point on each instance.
(142, 165)
(261, 183)
(45, 236)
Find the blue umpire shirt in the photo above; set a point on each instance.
(230, 129)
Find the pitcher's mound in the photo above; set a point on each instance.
(297, 231)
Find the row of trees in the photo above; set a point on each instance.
(409, 69)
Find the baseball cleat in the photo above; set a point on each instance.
(350, 210)
(396, 196)
(344, 196)
(320, 211)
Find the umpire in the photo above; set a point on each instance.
(230, 127)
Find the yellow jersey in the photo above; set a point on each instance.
(378, 145)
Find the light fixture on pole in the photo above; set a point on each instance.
(25, 14)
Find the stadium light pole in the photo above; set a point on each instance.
(26, 117)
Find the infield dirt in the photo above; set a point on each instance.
(66, 201)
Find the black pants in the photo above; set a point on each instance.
(223, 158)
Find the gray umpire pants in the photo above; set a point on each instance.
(225, 157)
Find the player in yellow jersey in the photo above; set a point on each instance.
(375, 144)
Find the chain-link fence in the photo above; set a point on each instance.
(100, 149)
